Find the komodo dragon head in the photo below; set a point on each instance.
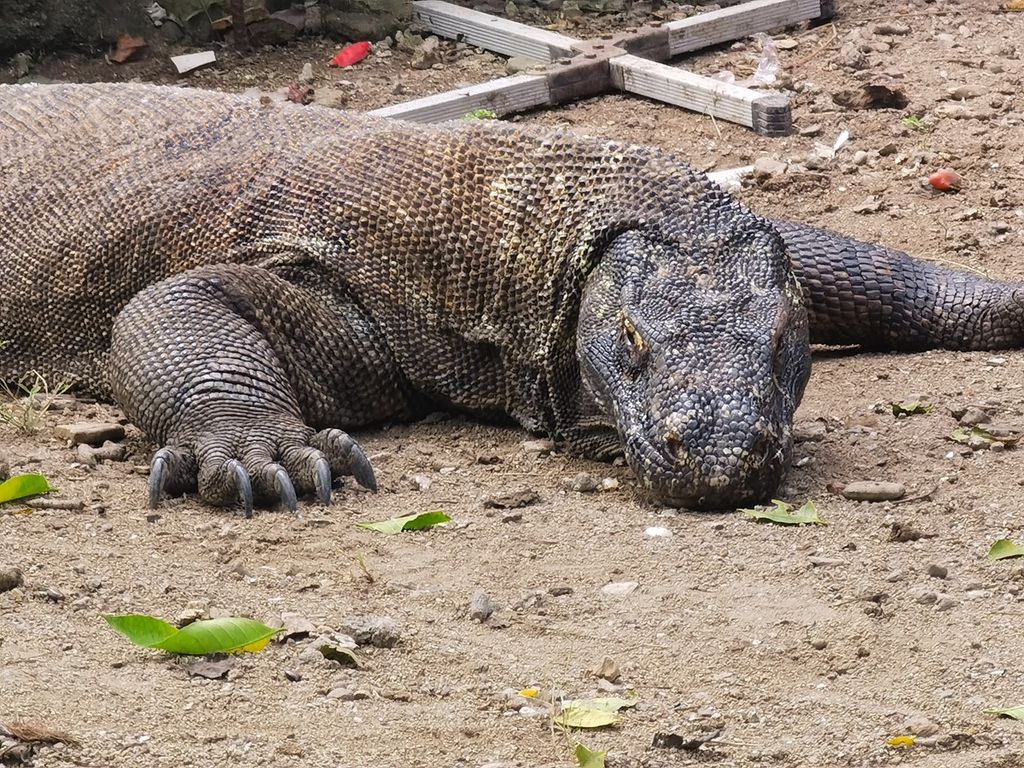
(696, 347)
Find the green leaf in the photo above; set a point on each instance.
(23, 486)
(1005, 548)
(145, 631)
(1017, 713)
(408, 523)
(592, 713)
(602, 704)
(227, 635)
(588, 758)
(909, 408)
(780, 513)
(978, 435)
(481, 114)
(579, 717)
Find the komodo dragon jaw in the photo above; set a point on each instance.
(698, 352)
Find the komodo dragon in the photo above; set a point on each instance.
(248, 279)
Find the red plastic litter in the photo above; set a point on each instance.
(350, 54)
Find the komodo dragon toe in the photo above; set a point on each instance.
(272, 461)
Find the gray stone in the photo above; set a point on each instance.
(480, 606)
(379, 631)
(871, 490)
(89, 432)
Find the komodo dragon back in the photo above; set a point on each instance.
(248, 279)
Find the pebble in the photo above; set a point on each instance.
(609, 484)
(871, 490)
(347, 693)
(427, 54)
(619, 588)
(540, 447)
(419, 482)
(379, 631)
(110, 451)
(972, 416)
(945, 603)
(810, 431)
(583, 483)
(608, 670)
(92, 433)
(10, 578)
(657, 532)
(296, 626)
(518, 64)
(512, 499)
(819, 644)
(480, 606)
(937, 571)
(765, 167)
(195, 610)
(890, 28)
(919, 725)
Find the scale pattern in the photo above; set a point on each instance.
(247, 278)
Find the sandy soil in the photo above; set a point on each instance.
(781, 646)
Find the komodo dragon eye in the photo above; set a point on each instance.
(633, 343)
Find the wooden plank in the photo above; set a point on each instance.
(492, 33)
(737, 21)
(766, 113)
(504, 96)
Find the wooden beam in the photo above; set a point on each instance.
(504, 96)
(737, 21)
(491, 32)
(767, 113)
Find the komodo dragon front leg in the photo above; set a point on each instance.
(233, 369)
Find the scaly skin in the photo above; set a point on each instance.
(249, 280)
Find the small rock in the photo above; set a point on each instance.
(10, 578)
(860, 157)
(609, 484)
(559, 591)
(195, 610)
(210, 669)
(870, 204)
(540, 447)
(919, 725)
(92, 433)
(890, 28)
(583, 483)
(427, 54)
(332, 646)
(870, 490)
(925, 597)
(292, 675)
(296, 626)
(619, 588)
(512, 499)
(347, 693)
(819, 644)
(657, 532)
(938, 571)
(419, 482)
(766, 167)
(963, 92)
(945, 603)
(998, 228)
(520, 64)
(306, 76)
(109, 451)
(608, 670)
(972, 416)
(786, 44)
(811, 130)
(480, 606)
(810, 431)
(379, 631)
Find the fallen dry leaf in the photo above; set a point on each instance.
(127, 47)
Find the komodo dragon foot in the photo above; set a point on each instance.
(255, 462)
(232, 370)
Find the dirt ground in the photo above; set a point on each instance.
(777, 646)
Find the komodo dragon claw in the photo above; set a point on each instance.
(244, 485)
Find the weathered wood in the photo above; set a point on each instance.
(504, 96)
(737, 21)
(491, 32)
(768, 114)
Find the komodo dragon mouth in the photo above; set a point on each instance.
(249, 280)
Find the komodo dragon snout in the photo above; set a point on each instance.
(696, 349)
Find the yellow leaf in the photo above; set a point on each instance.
(901, 741)
(530, 693)
(1014, 5)
(580, 717)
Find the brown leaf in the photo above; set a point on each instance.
(30, 733)
(126, 48)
